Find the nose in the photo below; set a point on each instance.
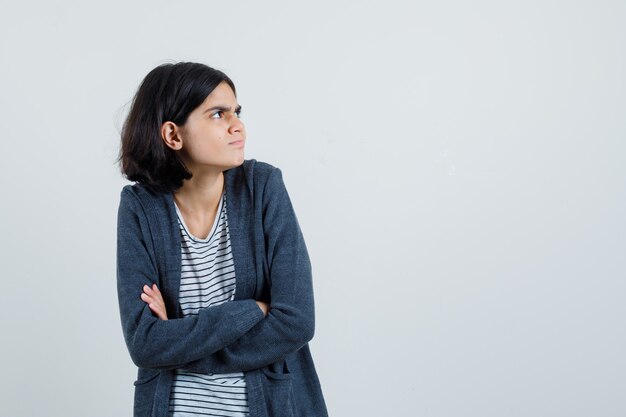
(236, 126)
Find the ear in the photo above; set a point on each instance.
(170, 133)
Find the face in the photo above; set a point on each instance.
(213, 136)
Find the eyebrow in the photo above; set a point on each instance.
(222, 108)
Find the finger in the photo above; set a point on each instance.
(154, 309)
(155, 295)
(152, 300)
(148, 290)
(146, 298)
(158, 311)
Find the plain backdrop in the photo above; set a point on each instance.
(457, 168)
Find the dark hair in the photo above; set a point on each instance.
(168, 93)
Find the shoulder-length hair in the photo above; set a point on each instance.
(168, 93)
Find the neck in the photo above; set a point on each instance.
(201, 193)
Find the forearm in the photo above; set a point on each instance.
(282, 332)
(168, 344)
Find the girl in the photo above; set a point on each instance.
(213, 274)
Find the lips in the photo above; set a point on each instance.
(237, 142)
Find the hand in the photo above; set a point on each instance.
(264, 306)
(154, 299)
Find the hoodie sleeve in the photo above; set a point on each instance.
(166, 344)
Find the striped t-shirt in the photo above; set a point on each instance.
(207, 279)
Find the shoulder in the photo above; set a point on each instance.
(259, 166)
(139, 197)
(253, 174)
(258, 169)
(139, 192)
(257, 176)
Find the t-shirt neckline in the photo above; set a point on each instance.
(194, 238)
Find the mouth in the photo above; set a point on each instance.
(237, 142)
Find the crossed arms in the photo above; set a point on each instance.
(230, 337)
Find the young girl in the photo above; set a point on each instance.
(213, 275)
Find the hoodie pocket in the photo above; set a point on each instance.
(145, 375)
(278, 390)
(145, 388)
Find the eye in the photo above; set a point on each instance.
(238, 113)
(218, 113)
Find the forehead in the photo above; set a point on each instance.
(222, 94)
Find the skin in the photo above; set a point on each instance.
(205, 144)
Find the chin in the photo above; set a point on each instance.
(235, 162)
(240, 160)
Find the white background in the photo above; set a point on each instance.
(458, 170)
